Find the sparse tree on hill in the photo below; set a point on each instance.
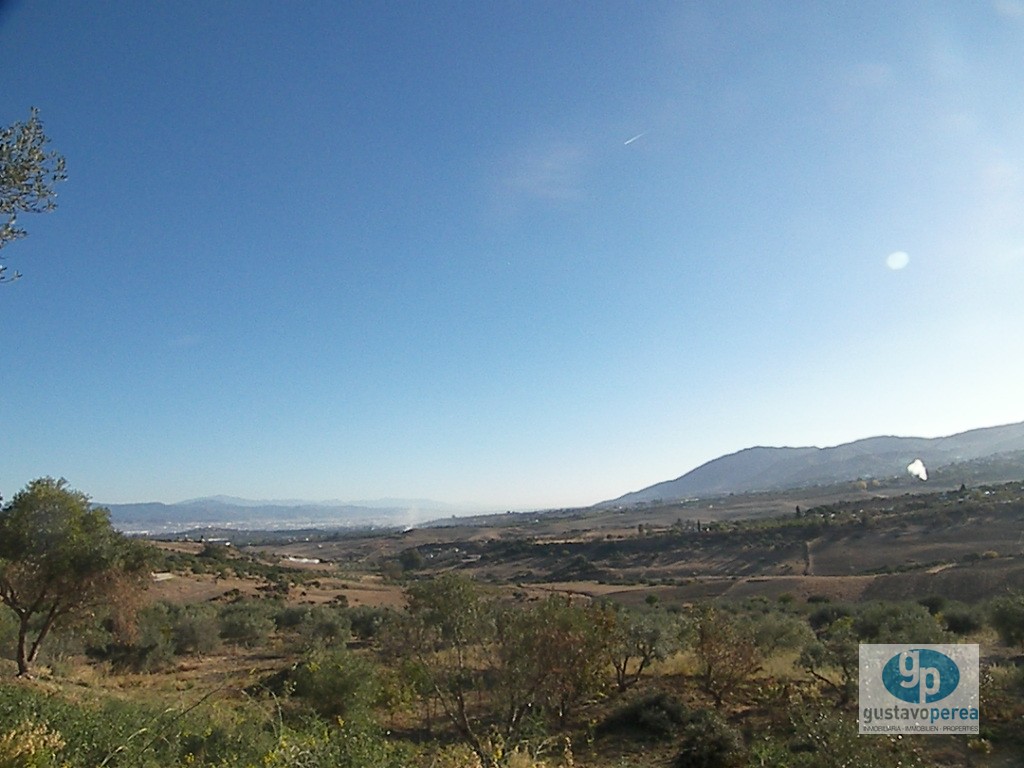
(28, 175)
(638, 639)
(551, 656)
(831, 658)
(496, 668)
(445, 632)
(726, 651)
(59, 559)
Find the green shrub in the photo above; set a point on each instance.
(163, 630)
(708, 741)
(30, 745)
(656, 716)
(934, 603)
(776, 631)
(825, 737)
(195, 630)
(962, 621)
(1007, 618)
(410, 559)
(335, 684)
(826, 615)
(113, 732)
(345, 745)
(366, 621)
(246, 623)
(326, 625)
(291, 616)
(897, 623)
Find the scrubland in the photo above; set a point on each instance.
(607, 638)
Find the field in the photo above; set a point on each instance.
(281, 640)
(966, 546)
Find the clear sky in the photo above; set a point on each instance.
(519, 254)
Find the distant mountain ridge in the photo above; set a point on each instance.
(248, 514)
(775, 469)
(395, 503)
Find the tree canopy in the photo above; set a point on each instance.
(497, 668)
(60, 557)
(29, 173)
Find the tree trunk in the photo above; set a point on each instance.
(51, 616)
(23, 660)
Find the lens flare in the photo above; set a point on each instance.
(897, 260)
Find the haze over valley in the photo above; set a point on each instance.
(994, 454)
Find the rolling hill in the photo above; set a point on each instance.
(777, 469)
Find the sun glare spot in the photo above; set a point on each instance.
(897, 260)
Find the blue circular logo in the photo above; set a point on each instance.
(920, 676)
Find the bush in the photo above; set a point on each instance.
(326, 626)
(776, 631)
(962, 621)
(827, 615)
(335, 684)
(331, 683)
(291, 616)
(246, 623)
(934, 603)
(30, 745)
(345, 744)
(195, 630)
(1007, 617)
(366, 621)
(133, 733)
(163, 630)
(656, 716)
(897, 623)
(827, 738)
(709, 742)
(726, 653)
(410, 559)
(215, 551)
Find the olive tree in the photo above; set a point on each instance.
(832, 657)
(726, 652)
(445, 633)
(60, 558)
(638, 639)
(551, 656)
(498, 670)
(28, 175)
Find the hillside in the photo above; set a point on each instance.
(776, 469)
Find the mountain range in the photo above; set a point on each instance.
(776, 469)
(247, 514)
(992, 453)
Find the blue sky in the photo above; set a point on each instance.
(514, 254)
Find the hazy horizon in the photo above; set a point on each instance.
(469, 508)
